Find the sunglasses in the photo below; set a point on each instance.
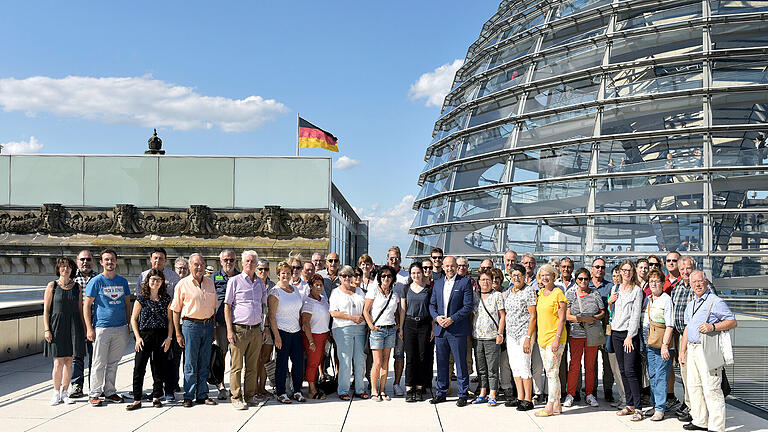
(386, 275)
(228, 259)
(296, 267)
(437, 257)
(333, 260)
(426, 267)
(262, 269)
(671, 260)
(599, 267)
(582, 278)
(345, 276)
(485, 268)
(85, 259)
(653, 264)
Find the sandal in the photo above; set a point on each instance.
(480, 400)
(283, 398)
(344, 397)
(492, 402)
(298, 397)
(625, 411)
(637, 416)
(376, 398)
(363, 395)
(542, 413)
(384, 396)
(318, 395)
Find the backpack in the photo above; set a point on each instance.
(216, 366)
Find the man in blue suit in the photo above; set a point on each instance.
(450, 306)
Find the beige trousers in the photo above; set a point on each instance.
(707, 400)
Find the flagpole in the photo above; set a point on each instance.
(297, 134)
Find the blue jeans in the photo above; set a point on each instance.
(294, 350)
(78, 367)
(350, 342)
(658, 372)
(198, 338)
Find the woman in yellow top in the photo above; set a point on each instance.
(550, 328)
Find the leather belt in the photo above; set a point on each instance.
(416, 318)
(249, 327)
(201, 321)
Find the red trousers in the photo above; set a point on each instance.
(314, 358)
(578, 348)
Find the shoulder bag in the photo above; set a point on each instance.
(504, 342)
(381, 312)
(595, 333)
(710, 343)
(655, 330)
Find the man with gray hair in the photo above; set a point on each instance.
(682, 294)
(220, 280)
(318, 262)
(244, 307)
(510, 259)
(194, 309)
(181, 267)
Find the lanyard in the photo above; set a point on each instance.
(703, 300)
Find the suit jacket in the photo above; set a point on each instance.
(460, 305)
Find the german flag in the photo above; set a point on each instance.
(311, 136)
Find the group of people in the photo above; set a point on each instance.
(521, 322)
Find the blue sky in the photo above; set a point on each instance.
(96, 77)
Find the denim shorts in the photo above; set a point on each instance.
(383, 338)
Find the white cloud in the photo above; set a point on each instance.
(389, 226)
(139, 101)
(433, 86)
(20, 147)
(345, 163)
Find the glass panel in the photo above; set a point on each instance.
(739, 189)
(430, 212)
(481, 173)
(570, 61)
(573, 92)
(738, 72)
(652, 16)
(423, 244)
(739, 35)
(308, 185)
(470, 93)
(450, 125)
(511, 52)
(552, 235)
(37, 180)
(186, 181)
(435, 183)
(552, 162)
(557, 127)
(739, 148)
(484, 204)
(531, 18)
(494, 110)
(639, 233)
(659, 153)
(662, 192)
(740, 108)
(653, 79)
(132, 180)
(505, 79)
(488, 140)
(657, 45)
(578, 30)
(740, 267)
(724, 7)
(5, 180)
(471, 239)
(573, 6)
(445, 153)
(740, 231)
(675, 113)
(548, 198)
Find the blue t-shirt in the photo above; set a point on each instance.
(109, 300)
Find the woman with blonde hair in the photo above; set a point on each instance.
(551, 336)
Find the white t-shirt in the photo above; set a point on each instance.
(289, 306)
(320, 311)
(302, 286)
(350, 304)
(379, 301)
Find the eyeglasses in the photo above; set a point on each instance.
(181, 268)
(516, 276)
(654, 282)
(262, 269)
(386, 275)
(333, 260)
(582, 279)
(345, 276)
(228, 259)
(85, 259)
(393, 259)
(155, 279)
(599, 267)
(463, 265)
(296, 267)
(629, 270)
(485, 268)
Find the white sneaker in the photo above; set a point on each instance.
(592, 401)
(56, 397)
(65, 398)
(239, 405)
(568, 401)
(398, 390)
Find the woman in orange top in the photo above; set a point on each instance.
(550, 328)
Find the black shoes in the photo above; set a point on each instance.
(437, 399)
(77, 393)
(685, 417)
(525, 406)
(419, 397)
(462, 402)
(512, 402)
(188, 403)
(410, 396)
(693, 427)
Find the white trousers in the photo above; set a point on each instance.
(707, 400)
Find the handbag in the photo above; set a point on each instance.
(655, 330)
(710, 344)
(595, 333)
(381, 312)
(329, 384)
(504, 342)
